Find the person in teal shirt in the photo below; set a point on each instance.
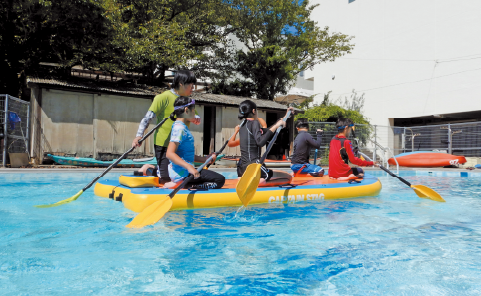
(181, 151)
(162, 106)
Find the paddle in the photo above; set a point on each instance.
(104, 172)
(315, 157)
(248, 183)
(421, 190)
(153, 213)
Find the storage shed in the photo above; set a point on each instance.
(87, 118)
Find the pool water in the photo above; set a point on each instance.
(391, 244)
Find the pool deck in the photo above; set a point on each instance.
(64, 169)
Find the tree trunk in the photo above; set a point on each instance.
(159, 81)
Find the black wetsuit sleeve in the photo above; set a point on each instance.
(316, 144)
(261, 137)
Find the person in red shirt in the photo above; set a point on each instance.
(341, 153)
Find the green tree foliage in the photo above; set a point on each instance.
(155, 35)
(330, 112)
(355, 102)
(306, 103)
(63, 32)
(281, 41)
(141, 36)
(151, 36)
(235, 88)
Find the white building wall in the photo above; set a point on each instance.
(412, 58)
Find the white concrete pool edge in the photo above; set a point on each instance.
(433, 172)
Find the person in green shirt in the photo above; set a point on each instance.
(162, 107)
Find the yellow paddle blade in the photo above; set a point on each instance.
(247, 186)
(426, 192)
(62, 201)
(151, 214)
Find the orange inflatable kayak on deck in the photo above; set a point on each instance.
(427, 159)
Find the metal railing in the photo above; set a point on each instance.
(14, 126)
(458, 139)
(363, 133)
(384, 142)
(387, 153)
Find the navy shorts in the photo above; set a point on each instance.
(309, 169)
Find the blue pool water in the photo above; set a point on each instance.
(391, 244)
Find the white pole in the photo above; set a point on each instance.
(5, 132)
(450, 137)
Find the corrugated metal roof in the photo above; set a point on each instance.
(143, 90)
(235, 101)
(100, 86)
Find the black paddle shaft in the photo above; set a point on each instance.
(199, 169)
(273, 140)
(190, 177)
(123, 155)
(387, 171)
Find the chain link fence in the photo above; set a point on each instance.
(363, 133)
(14, 127)
(458, 139)
(382, 142)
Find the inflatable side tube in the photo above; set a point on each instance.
(139, 181)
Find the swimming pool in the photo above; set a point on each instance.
(392, 244)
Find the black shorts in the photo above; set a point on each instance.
(265, 172)
(210, 178)
(357, 171)
(162, 163)
(151, 172)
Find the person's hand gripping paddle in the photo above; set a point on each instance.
(248, 183)
(104, 172)
(421, 190)
(153, 213)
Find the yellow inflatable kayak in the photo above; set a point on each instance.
(137, 193)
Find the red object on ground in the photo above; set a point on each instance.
(427, 159)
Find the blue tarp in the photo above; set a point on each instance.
(12, 119)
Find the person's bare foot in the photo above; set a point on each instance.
(351, 176)
(169, 185)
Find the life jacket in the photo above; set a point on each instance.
(342, 151)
